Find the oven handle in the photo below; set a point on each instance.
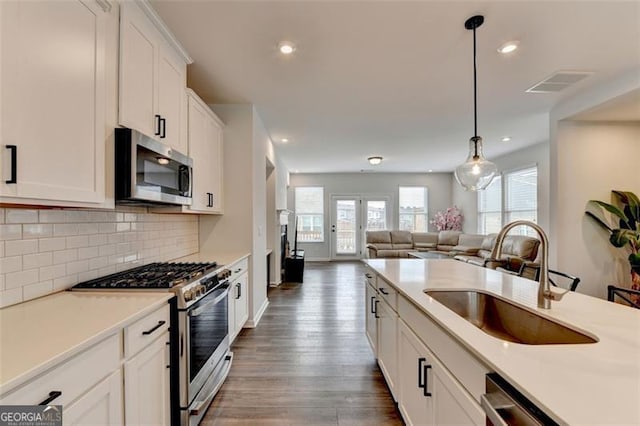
(199, 310)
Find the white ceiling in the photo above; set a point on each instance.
(394, 78)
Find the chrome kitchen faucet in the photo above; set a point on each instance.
(545, 295)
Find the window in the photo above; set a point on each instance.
(521, 198)
(413, 215)
(490, 208)
(512, 196)
(309, 206)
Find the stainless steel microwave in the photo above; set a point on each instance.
(150, 172)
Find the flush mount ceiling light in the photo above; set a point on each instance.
(286, 47)
(374, 161)
(509, 47)
(284, 140)
(162, 160)
(476, 172)
(506, 139)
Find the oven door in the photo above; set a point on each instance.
(207, 339)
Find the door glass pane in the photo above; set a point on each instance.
(345, 226)
(376, 216)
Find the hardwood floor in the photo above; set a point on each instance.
(308, 362)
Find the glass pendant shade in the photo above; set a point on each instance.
(476, 173)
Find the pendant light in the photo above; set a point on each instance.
(477, 172)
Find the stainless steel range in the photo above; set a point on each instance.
(199, 329)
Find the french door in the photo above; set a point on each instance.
(351, 217)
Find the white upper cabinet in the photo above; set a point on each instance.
(53, 102)
(153, 77)
(205, 147)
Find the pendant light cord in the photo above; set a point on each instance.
(475, 94)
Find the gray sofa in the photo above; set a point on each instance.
(517, 251)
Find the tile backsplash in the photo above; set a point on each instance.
(48, 250)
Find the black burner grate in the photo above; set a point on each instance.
(153, 275)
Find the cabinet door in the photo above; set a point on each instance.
(102, 405)
(428, 393)
(388, 344)
(416, 408)
(52, 99)
(232, 317)
(370, 317)
(146, 385)
(138, 79)
(199, 151)
(453, 405)
(216, 167)
(240, 288)
(172, 82)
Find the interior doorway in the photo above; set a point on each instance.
(351, 217)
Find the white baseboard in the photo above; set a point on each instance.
(254, 322)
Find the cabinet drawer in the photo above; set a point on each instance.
(464, 366)
(145, 330)
(239, 268)
(371, 278)
(388, 293)
(72, 377)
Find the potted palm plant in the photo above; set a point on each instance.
(626, 214)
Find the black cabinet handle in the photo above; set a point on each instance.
(426, 381)
(163, 125)
(383, 291)
(368, 275)
(154, 328)
(157, 132)
(209, 199)
(372, 299)
(237, 270)
(375, 309)
(14, 164)
(420, 371)
(52, 395)
(239, 292)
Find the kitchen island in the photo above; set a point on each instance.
(594, 383)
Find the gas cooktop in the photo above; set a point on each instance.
(151, 276)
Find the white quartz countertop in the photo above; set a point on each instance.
(580, 384)
(222, 258)
(40, 333)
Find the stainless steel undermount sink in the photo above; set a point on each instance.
(507, 321)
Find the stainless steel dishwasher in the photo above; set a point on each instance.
(504, 405)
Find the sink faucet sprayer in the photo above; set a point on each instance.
(545, 295)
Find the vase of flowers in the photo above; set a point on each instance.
(627, 233)
(448, 220)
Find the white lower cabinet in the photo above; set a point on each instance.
(388, 344)
(429, 395)
(146, 372)
(371, 326)
(417, 359)
(90, 385)
(102, 405)
(238, 297)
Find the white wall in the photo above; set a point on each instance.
(244, 228)
(439, 193)
(588, 160)
(593, 159)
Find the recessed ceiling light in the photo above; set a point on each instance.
(506, 139)
(374, 161)
(286, 47)
(508, 47)
(430, 170)
(284, 140)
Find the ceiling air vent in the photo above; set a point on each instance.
(558, 81)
